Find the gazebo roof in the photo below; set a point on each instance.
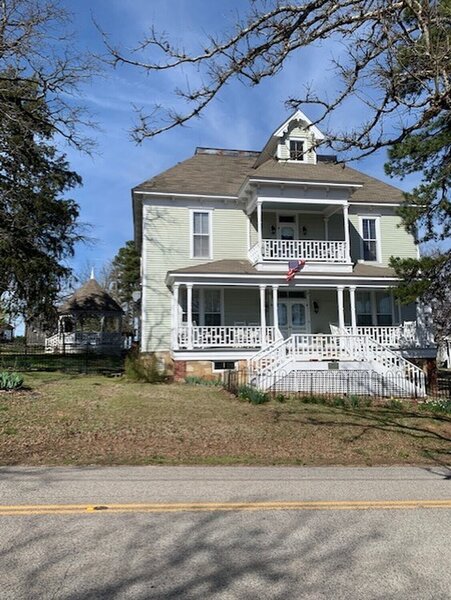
(90, 298)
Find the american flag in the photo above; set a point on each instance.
(294, 266)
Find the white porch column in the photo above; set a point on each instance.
(189, 314)
(275, 312)
(341, 312)
(263, 315)
(346, 230)
(353, 313)
(175, 316)
(259, 225)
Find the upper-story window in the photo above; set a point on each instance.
(370, 238)
(296, 150)
(201, 246)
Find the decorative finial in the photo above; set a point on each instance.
(92, 273)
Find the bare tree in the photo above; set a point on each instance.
(396, 62)
(36, 46)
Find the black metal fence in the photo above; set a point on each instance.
(339, 383)
(14, 357)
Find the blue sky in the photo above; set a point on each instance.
(241, 117)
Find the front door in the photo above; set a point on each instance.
(294, 316)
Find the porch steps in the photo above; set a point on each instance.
(299, 353)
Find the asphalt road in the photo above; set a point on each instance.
(370, 534)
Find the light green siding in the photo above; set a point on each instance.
(166, 246)
(395, 241)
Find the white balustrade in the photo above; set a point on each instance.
(254, 254)
(241, 336)
(265, 365)
(317, 250)
(386, 335)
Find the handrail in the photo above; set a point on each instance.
(336, 347)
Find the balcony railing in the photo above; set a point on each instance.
(224, 336)
(315, 250)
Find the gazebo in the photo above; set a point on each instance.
(89, 320)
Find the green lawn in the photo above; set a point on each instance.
(75, 419)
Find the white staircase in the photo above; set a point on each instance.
(301, 352)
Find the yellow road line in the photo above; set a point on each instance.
(64, 509)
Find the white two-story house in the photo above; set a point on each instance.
(217, 232)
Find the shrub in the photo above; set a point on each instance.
(10, 381)
(138, 368)
(252, 395)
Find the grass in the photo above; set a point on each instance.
(63, 419)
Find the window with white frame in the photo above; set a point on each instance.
(296, 150)
(369, 232)
(201, 234)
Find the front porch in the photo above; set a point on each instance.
(210, 318)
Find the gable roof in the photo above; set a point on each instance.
(92, 298)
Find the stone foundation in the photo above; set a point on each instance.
(178, 370)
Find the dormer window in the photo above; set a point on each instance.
(296, 150)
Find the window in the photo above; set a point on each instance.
(369, 239)
(363, 309)
(374, 308)
(384, 309)
(201, 234)
(224, 365)
(296, 150)
(207, 306)
(212, 307)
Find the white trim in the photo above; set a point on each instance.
(208, 211)
(283, 200)
(305, 182)
(263, 275)
(340, 306)
(179, 195)
(374, 203)
(212, 355)
(376, 218)
(298, 115)
(352, 289)
(143, 277)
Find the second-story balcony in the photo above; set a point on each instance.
(325, 251)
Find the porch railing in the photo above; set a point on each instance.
(390, 336)
(407, 335)
(316, 250)
(225, 336)
(82, 339)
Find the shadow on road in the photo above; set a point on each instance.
(277, 555)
